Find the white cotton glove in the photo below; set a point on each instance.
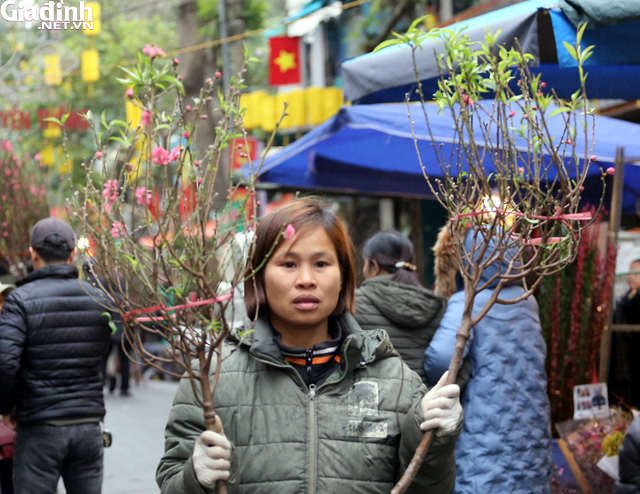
(441, 408)
(211, 458)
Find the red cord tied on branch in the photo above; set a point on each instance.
(188, 305)
(564, 218)
(585, 216)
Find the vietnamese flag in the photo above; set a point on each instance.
(284, 61)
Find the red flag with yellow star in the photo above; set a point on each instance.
(284, 61)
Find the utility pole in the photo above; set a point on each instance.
(446, 10)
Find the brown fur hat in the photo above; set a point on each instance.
(446, 263)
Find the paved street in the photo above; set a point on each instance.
(137, 424)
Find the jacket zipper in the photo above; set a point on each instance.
(312, 390)
(312, 439)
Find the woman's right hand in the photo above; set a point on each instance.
(211, 458)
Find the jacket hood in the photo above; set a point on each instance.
(473, 242)
(404, 305)
(445, 264)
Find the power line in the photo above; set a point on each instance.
(209, 44)
(140, 6)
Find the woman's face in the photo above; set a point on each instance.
(302, 286)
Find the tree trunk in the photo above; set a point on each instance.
(196, 67)
(235, 25)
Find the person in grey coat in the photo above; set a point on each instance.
(392, 298)
(629, 458)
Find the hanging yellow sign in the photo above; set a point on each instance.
(96, 23)
(52, 70)
(90, 65)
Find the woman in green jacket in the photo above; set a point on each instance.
(309, 402)
(392, 298)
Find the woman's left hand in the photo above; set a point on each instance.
(441, 408)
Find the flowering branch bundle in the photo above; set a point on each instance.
(505, 175)
(23, 201)
(157, 236)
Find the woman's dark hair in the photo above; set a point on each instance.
(393, 251)
(305, 215)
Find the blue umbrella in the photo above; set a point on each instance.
(371, 149)
(388, 75)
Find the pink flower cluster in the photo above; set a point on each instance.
(118, 229)
(153, 51)
(143, 196)
(145, 119)
(110, 191)
(160, 156)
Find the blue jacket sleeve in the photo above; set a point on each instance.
(439, 352)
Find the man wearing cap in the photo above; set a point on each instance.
(53, 336)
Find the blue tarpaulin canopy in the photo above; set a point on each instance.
(371, 149)
(541, 28)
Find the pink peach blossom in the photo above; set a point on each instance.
(289, 232)
(174, 155)
(160, 156)
(153, 51)
(110, 191)
(118, 229)
(143, 196)
(146, 118)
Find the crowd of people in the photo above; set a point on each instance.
(357, 374)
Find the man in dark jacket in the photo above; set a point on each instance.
(625, 346)
(53, 335)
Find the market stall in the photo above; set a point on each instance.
(540, 29)
(370, 149)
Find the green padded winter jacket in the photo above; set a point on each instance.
(355, 433)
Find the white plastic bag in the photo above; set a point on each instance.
(609, 465)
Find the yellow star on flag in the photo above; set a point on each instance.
(286, 61)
